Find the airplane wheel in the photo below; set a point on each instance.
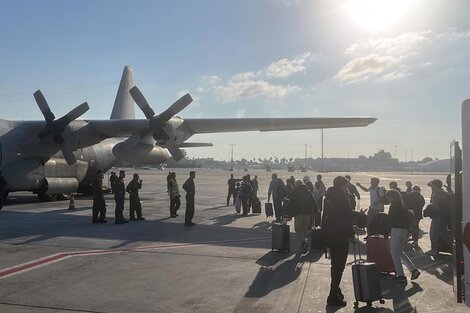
(43, 197)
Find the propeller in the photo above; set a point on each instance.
(158, 123)
(55, 128)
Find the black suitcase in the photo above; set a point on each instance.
(268, 208)
(366, 280)
(280, 237)
(256, 206)
(315, 240)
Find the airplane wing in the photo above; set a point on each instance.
(217, 125)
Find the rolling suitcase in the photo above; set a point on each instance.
(268, 208)
(366, 280)
(280, 237)
(256, 206)
(378, 251)
(315, 240)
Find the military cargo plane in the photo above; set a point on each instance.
(60, 156)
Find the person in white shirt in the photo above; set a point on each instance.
(377, 198)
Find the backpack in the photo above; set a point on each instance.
(281, 190)
(383, 199)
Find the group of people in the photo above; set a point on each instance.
(119, 190)
(244, 192)
(334, 208)
(404, 214)
(309, 203)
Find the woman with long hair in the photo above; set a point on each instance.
(400, 223)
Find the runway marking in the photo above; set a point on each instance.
(57, 257)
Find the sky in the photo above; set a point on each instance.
(405, 62)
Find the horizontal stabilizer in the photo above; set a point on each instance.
(216, 125)
(195, 144)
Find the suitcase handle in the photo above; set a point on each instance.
(357, 248)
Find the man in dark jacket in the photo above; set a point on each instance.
(134, 201)
(231, 188)
(440, 200)
(112, 180)
(245, 194)
(303, 206)
(354, 194)
(277, 190)
(99, 204)
(415, 202)
(190, 189)
(338, 228)
(119, 197)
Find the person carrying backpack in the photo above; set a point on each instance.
(277, 189)
(377, 198)
(303, 205)
(245, 193)
(338, 229)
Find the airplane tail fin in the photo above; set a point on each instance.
(124, 107)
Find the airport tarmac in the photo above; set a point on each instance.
(55, 260)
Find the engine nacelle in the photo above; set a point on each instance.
(141, 154)
(23, 174)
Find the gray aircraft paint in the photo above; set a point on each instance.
(124, 107)
(29, 163)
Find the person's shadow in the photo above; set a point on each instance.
(272, 278)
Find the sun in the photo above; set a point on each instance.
(377, 15)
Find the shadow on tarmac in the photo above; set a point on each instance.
(272, 278)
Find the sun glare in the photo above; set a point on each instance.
(377, 15)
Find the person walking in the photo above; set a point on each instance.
(303, 206)
(277, 191)
(320, 186)
(400, 223)
(254, 184)
(440, 200)
(415, 203)
(338, 228)
(134, 200)
(377, 198)
(174, 193)
(119, 198)
(99, 204)
(353, 192)
(190, 189)
(231, 188)
(245, 192)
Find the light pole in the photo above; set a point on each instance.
(231, 156)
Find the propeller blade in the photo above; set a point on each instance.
(141, 102)
(68, 154)
(43, 106)
(176, 107)
(78, 111)
(72, 115)
(175, 152)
